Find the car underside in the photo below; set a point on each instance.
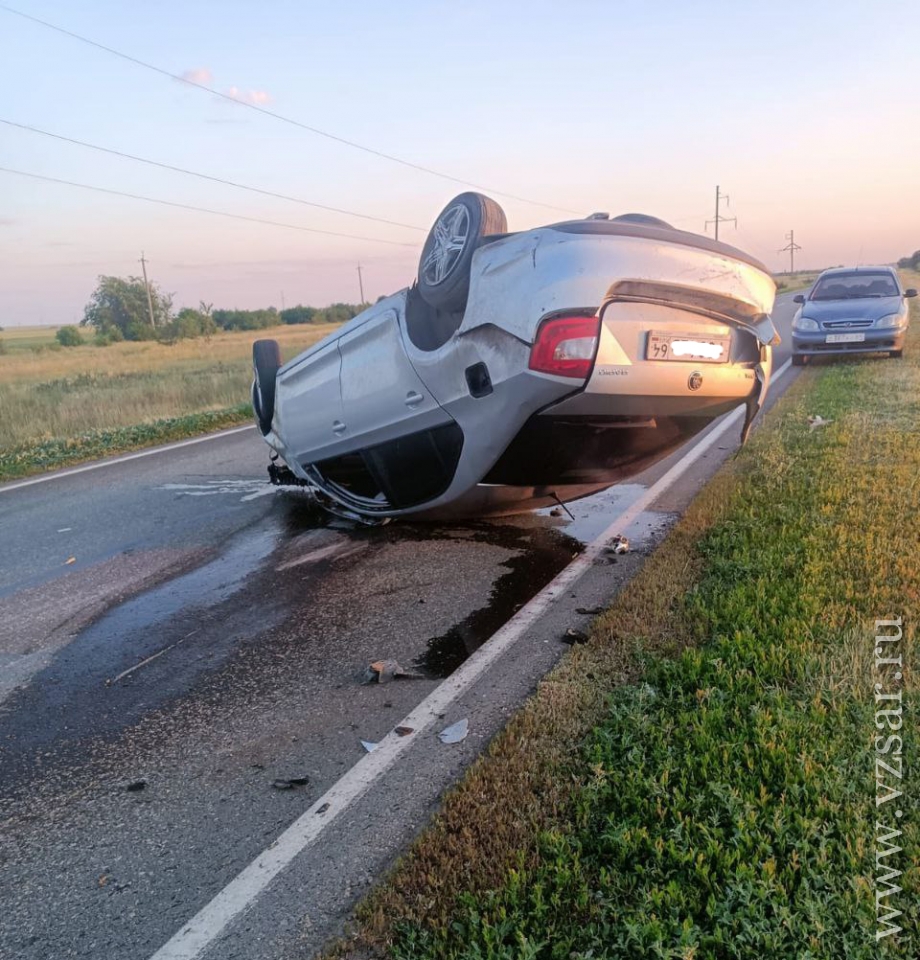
(565, 359)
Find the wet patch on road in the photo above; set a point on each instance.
(293, 609)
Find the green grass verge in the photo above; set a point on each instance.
(47, 455)
(698, 781)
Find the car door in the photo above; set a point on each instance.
(308, 406)
(409, 445)
(382, 395)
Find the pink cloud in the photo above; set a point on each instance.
(257, 97)
(198, 75)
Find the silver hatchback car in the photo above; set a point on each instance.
(520, 369)
(851, 310)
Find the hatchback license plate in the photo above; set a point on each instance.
(698, 348)
(845, 338)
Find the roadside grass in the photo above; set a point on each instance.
(60, 407)
(792, 282)
(698, 780)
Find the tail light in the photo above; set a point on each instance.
(565, 346)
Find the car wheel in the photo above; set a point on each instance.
(897, 354)
(798, 360)
(266, 361)
(444, 267)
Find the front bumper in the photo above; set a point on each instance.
(814, 343)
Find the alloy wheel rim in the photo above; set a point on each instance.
(451, 236)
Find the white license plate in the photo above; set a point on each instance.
(695, 347)
(845, 338)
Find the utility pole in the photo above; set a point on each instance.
(718, 217)
(153, 322)
(361, 283)
(791, 248)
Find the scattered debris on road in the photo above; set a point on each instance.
(383, 671)
(404, 731)
(572, 637)
(589, 611)
(69, 561)
(455, 732)
(370, 747)
(288, 783)
(619, 544)
(135, 786)
(817, 421)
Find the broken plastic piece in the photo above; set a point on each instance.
(455, 732)
(403, 731)
(619, 544)
(817, 421)
(383, 671)
(370, 747)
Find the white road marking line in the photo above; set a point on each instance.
(60, 474)
(204, 928)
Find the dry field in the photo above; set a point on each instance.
(50, 393)
(80, 400)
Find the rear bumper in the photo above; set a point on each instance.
(876, 341)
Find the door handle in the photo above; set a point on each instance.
(413, 399)
(338, 428)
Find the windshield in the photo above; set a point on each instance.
(854, 286)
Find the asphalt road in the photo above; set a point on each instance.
(179, 642)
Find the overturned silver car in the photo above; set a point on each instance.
(520, 369)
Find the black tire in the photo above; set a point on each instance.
(266, 361)
(444, 267)
(896, 354)
(798, 360)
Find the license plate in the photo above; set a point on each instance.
(845, 338)
(697, 348)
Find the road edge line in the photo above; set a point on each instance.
(195, 936)
(124, 458)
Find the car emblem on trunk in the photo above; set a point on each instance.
(695, 380)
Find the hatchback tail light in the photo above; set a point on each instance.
(565, 346)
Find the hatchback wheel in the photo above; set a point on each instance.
(444, 268)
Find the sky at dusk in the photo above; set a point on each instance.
(805, 113)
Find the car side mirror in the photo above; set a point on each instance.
(910, 293)
(800, 298)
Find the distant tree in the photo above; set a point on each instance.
(910, 263)
(69, 336)
(120, 304)
(188, 323)
(246, 319)
(298, 314)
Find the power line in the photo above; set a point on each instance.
(204, 176)
(215, 213)
(279, 116)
